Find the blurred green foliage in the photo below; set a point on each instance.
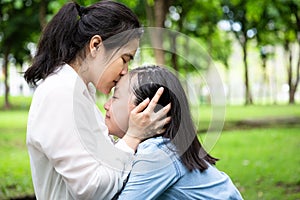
(215, 24)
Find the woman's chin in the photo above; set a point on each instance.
(104, 90)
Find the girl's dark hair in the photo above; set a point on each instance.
(180, 130)
(71, 29)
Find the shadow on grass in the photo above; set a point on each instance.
(290, 188)
(25, 198)
(269, 122)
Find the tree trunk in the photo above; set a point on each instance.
(186, 63)
(227, 78)
(248, 96)
(7, 105)
(160, 12)
(149, 14)
(274, 82)
(173, 44)
(293, 85)
(43, 13)
(297, 71)
(292, 92)
(264, 82)
(289, 72)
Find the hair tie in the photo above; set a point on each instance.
(80, 10)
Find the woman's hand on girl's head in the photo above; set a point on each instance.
(144, 122)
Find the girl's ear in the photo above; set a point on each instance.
(95, 43)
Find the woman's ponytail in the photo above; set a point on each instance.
(56, 45)
(71, 29)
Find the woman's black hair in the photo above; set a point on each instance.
(72, 27)
(181, 130)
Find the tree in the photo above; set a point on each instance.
(288, 31)
(265, 38)
(18, 24)
(156, 12)
(236, 13)
(198, 20)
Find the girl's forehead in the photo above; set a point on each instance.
(123, 85)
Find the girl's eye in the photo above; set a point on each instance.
(114, 97)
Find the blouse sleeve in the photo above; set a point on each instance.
(66, 128)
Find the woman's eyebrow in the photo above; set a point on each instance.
(129, 55)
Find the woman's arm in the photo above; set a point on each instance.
(63, 126)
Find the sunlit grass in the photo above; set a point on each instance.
(262, 162)
(231, 115)
(15, 179)
(17, 102)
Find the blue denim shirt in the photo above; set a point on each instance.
(159, 174)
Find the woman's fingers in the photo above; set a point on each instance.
(163, 112)
(154, 100)
(163, 122)
(158, 127)
(141, 106)
(161, 131)
(144, 122)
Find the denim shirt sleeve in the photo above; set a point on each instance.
(154, 171)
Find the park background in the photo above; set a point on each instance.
(253, 44)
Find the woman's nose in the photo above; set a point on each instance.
(125, 70)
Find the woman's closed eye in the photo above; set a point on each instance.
(124, 60)
(127, 58)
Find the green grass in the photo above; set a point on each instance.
(262, 162)
(235, 114)
(15, 179)
(17, 102)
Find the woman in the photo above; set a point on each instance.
(173, 165)
(71, 153)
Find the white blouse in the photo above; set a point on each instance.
(71, 153)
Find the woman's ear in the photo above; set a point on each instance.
(95, 43)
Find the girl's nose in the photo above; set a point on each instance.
(107, 104)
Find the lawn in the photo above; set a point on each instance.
(15, 177)
(262, 162)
